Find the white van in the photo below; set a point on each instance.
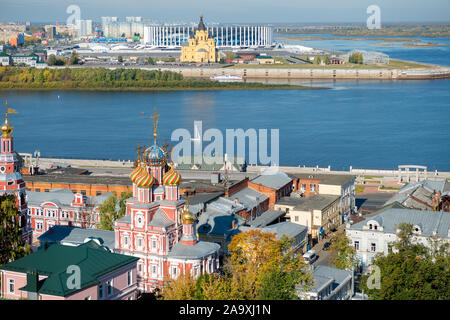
(310, 256)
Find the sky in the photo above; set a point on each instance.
(230, 11)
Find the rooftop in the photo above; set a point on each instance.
(315, 202)
(428, 221)
(94, 261)
(275, 180)
(76, 235)
(329, 179)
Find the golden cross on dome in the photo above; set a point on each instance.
(155, 124)
(139, 151)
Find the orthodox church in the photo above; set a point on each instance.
(158, 227)
(11, 181)
(201, 48)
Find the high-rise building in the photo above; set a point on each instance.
(50, 31)
(85, 27)
(133, 19)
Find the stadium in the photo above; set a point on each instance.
(225, 36)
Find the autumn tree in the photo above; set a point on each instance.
(12, 246)
(411, 270)
(356, 58)
(256, 258)
(342, 253)
(182, 288)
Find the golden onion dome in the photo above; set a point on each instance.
(171, 177)
(136, 172)
(144, 180)
(187, 217)
(7, 129)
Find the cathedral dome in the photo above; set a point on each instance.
(171, 178)
(187, 217)
(136, 172)
(7, 129)
(144, 180)
(155, 156)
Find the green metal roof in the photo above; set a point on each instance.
(92, 259)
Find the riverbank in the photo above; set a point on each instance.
(120, 79)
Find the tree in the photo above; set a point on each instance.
(256, 258)
(342, 253)
(411, 270)
(326, 59)
(150, 60)
(317, 60)
(182, 288)
(120, 58)
(12, 246)
(51, 60)
(356, 58)
(74, 59)
(111, 210)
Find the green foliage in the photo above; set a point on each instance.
(411, 270)
(356, 58)
(278, 285)
(120, 58)
(342, 253)
(74, 59)
(111, 210)
(150, 60)
(11, 245)
(52, 60)
(317, 60)
(102, 78)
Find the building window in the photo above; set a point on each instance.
(130, 277)
(154, 269)
(296, 218)
(153, 244)
(139, 243)
(10, 285)
(100, 291)
(370, 226)
(357, 245)
(109, 287)
(174, 272)
(313, 187)
(373, 247)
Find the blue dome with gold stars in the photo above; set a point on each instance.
(155, 156)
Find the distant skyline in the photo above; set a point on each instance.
(230, 11)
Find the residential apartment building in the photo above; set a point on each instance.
(374, 234)
(319, 213)
(328, 184)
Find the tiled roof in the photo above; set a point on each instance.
(93, 260)
(161, 220)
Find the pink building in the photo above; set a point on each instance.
(58, 272)
(11, 181)
(158, 227)
(62, 207)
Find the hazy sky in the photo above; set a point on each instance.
(229, 11)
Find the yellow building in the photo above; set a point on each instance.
(201, 48)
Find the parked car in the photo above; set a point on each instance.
(310, 256)
(326, 245)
